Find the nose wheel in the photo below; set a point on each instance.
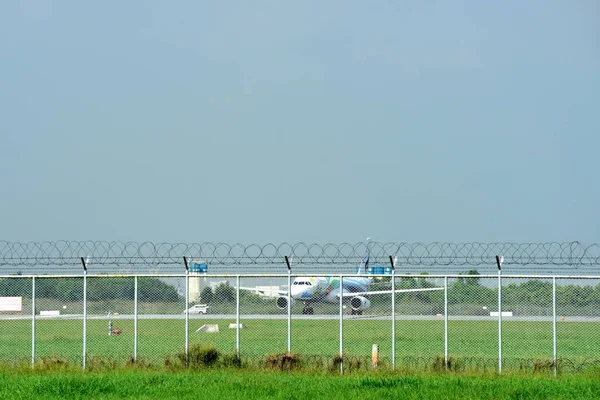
(308, 310)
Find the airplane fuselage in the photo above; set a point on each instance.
(326, 289)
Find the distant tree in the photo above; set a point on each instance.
(69, 290)
(103, 288)
(153, 289)
(532, 292)
(595, 297)
(98, 289)
(383, 279)
(15, 287)
(422, 281)
(468, 290)
(469, 281)
(574, 295)
(248, 297)
(224, 293)
(407, 282)
(206, 295)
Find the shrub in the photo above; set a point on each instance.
(350, 363)
(139, 363)
(172, 363)
(543, 366)
(95, 363)
(284, 361)
(440, 365)
(53, 363)
(231, 360)
(199, 356)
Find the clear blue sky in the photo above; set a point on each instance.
(315, 121)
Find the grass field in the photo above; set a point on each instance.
(471, 343)
(235, 384)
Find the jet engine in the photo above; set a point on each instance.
(359, 303)
(282, 302)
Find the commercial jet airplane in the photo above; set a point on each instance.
(311, 290)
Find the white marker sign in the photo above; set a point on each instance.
(11, 303)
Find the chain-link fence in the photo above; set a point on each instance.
(383, 320)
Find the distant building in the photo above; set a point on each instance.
(197, 270)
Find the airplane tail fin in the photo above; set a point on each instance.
(363, 267)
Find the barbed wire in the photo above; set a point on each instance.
(64, 253)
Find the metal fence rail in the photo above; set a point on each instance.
(495, 322)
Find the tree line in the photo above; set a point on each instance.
(225, 293)
(533, 292)
(467, 289)
(71, 289)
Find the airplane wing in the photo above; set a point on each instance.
(352, 294)
(253, 289)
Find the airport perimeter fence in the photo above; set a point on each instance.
(492, 322)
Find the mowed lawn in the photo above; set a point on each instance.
(242, 384)
(577, 342)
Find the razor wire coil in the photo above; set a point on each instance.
(61, 253)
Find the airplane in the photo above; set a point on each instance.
(311, 290)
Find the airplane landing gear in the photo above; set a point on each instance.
(308, 310)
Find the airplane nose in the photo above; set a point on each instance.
(296, 292)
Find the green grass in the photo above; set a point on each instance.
(472, 343)
(235, 384)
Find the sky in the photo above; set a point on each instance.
(269, 122)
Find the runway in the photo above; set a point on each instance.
(316, 317)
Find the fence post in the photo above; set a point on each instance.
(237, 316)
(135, 318)
(341, 294)
(32, 322)
(499, 263)
(83, 262)
(289, 306)
(554, 338)
(393, 313)
(187, 311)
(446, 345)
